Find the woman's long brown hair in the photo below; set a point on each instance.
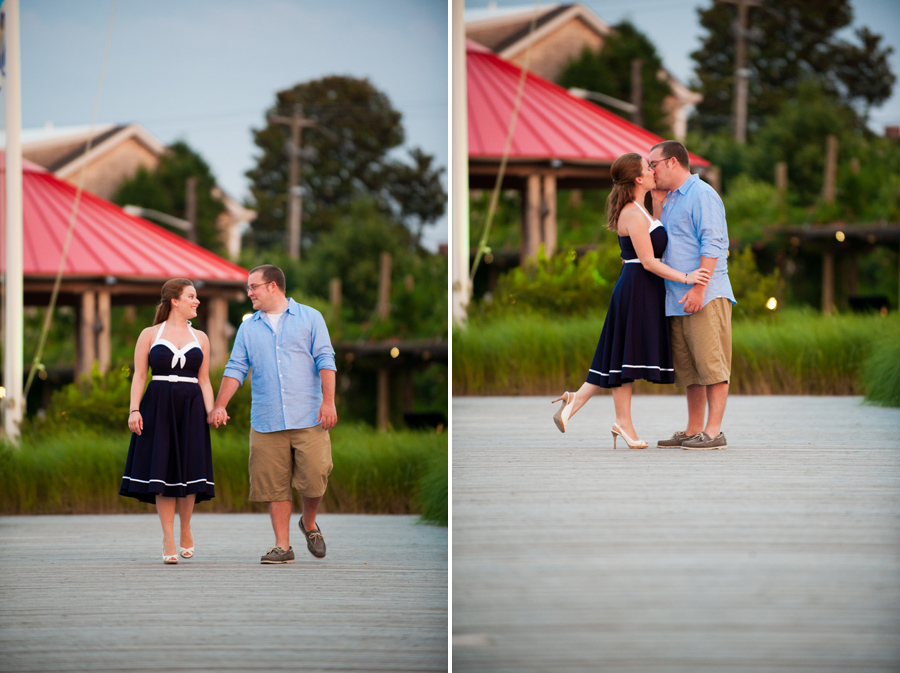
(171, 289)
(624, 171)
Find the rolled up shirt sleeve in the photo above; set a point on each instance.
(322, 351)
(712, 230)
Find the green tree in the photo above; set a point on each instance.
(789, 42)
(608, 71)
(165, 190)
(344, 156)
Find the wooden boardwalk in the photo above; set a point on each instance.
(781, 553)
(90, 593)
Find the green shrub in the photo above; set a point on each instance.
(751, 205)
(564, 284)
(96, 403)
(751, 288)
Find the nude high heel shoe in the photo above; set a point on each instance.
(561, 417)
(632, 443)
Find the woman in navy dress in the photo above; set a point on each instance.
(170, 459)
(635, 341)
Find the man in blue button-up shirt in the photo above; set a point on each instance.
(699, 315)
(292, 409)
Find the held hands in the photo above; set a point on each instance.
(218, 416)
(135, 422)
(698, 277)
(327, 415)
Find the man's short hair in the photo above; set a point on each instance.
(271, 274)
(673, 148)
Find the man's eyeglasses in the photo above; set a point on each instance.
(252, 288)
(653, 164)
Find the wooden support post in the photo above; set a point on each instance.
(103, 330)
(550, 233)
(851, 272)
(827, 283)
(831, 155)
(86, 344)
(714, 178)
(531, 218)
(781, 178)
(334, 295)
(217, 319)
(383, 412)
(384, 287)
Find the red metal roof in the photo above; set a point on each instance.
(552, 123)
(106, 241)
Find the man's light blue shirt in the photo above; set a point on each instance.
(694, 218)
(286, 388)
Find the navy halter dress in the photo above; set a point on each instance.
(172, 456)
(635, 342)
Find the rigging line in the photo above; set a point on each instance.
(48, 316)
(495, 195)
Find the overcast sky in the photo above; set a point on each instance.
(205, 71)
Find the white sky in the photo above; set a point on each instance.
(205, 71)
(674, 29)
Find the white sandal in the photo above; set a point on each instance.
(186, 552)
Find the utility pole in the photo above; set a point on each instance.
(637, 91)
(741, 73)
(191, 208)
(297, 122)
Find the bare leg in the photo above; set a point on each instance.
(310, 508)
(165, 507)
(185, 510)
(696, 400)
(280, 513)
(717, 396)
(622, 402)
(582, 395)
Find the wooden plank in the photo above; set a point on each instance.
(780, 553)
(92, 593)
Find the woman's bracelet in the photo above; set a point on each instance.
(132, 411)
(685, 279)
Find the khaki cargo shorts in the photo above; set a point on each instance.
(701, 345)
(299, 458)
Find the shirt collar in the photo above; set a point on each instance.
(687, 184)
(293, 308)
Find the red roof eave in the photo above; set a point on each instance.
(551, 123)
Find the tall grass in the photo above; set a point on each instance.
(795, 353)
(882, 373)
(80, 472)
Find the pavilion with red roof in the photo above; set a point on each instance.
(114, 259)
(560, 141)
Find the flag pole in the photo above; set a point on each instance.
(14, 348)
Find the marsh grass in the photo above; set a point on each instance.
(795, 353)
(882, 373)
(80, 472)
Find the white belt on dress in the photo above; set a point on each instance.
(172, 378)
(637, 260)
